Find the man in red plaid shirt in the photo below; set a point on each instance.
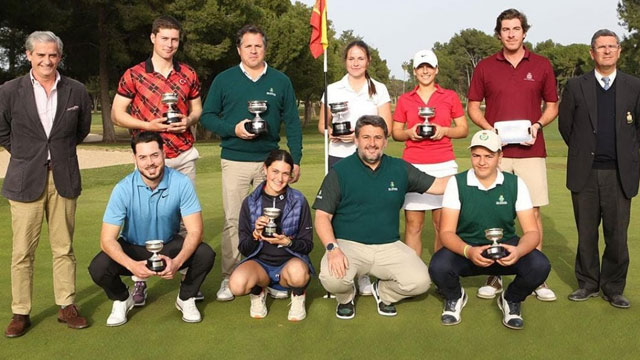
(138, 106)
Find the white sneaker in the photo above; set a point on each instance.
(224, 294)
(492, 287)
(543, 293)
(277, 294)
(297, 311)
(511, 315)
(189, 310)
(364, 285)
(451, 314)
(119, 312)
(258, 309)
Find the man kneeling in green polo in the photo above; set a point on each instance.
(476, 200)
(357, 220)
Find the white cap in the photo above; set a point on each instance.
(488, 139)
(425, 57)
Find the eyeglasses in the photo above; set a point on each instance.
(603, 48)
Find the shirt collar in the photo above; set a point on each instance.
(472, 180)
(35, 82)
(611, 77)
(163, 185)
(344, 84)
(500, 55)
(415, 90)
(148, 65)
(244, 71)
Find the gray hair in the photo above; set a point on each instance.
(42, 36)
(373, 120)
(603, 32)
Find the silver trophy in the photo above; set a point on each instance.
(155, 262)
(340, 125)
(425, 129)
(172, 115)
(495, 251)
(257, 125)
(272, 213)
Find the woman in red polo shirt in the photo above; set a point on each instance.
(433, 155)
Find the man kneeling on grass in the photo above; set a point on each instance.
(475, 200)
(148, 204)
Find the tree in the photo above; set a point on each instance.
(458, 58)
(629, 15)
(567, 61)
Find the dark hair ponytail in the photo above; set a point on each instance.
(361, 44)
(279, 155)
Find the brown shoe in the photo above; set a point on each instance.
(71, 316)
(18, 326)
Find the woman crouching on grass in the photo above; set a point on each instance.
(280, 261)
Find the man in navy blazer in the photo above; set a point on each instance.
(43, 117)
(598, 120)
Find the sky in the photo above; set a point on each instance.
(399, 28)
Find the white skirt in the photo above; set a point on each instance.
(420, 202)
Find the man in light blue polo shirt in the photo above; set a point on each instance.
(148, 204)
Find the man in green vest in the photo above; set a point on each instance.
(478, 199)
(357, 220)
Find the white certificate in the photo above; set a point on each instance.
(513, 131)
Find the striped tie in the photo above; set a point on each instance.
(606, 80)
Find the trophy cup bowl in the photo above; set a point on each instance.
(495, 251)
(425, 129)
(172, 114)
(155, 262)
(257, 125)
(272, 213)
(339, 125)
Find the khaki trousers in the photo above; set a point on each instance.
(26, 222)
(238, 179)
(401, 272)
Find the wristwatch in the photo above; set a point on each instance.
(332, 246)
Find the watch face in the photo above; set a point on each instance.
(331, 246)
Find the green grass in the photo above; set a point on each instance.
(561, 329)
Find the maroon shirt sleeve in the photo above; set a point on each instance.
(549, 91)
(476, 89)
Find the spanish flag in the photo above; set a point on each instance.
(319, 42)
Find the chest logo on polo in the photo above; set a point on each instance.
(392, 187)
(501, 201)
(270, 92)
(529, 77)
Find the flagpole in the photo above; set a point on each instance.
(326, 119)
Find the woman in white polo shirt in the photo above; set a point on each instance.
(365, 96)
(433, 155)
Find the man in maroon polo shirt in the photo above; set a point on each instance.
(514, 82)
(138, 106)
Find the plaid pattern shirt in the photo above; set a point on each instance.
(145, 87)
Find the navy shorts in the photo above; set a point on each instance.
(274, 274)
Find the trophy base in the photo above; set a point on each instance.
(426, 131)
(495, 252)
(256, 127)
(341, 129)
(172, 117)
(156, 265)
(269, 232)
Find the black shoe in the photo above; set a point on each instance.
(511, 316)
(618, 301)
(582, 294)
(383, 309)
(453, 309)
(346, 311)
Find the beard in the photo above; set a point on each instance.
(371, 160)
(158, 174)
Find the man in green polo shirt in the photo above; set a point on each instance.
(357, 219)
(475, 200)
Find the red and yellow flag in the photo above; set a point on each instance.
(319, 42)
